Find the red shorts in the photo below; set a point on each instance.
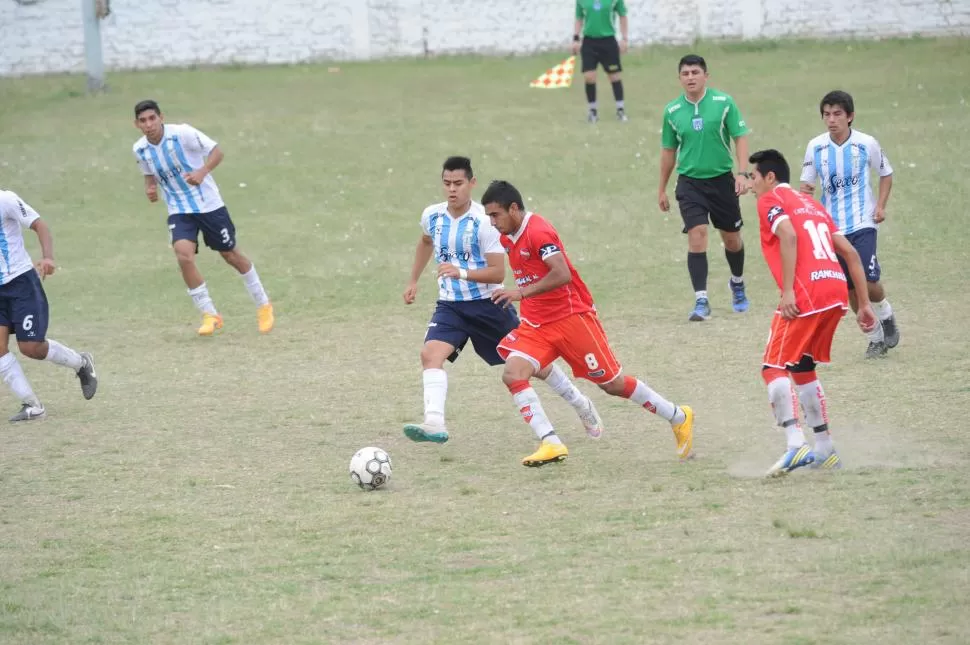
(579, 339)
(809, 335)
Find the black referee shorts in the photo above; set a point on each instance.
(601, 51)
(714, 198)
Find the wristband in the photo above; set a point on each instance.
(575, 38)
(463, 274)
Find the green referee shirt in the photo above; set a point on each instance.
(703, 132)
(597, 16)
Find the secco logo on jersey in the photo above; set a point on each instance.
(547, 250)
(447, 254)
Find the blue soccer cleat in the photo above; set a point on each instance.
(738, 298)
(702, 310)
(792, 459)
(827, 462)
(426, 432)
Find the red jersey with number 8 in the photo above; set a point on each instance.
(528, 248)
(820, 282)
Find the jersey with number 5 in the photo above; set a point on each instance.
(819, 280)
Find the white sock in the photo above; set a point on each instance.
(737, 279)
(812, 397)
(700, 294)
(782, 399)
(532, 413)
(13, 375)
(63, 355)
(200, 296)
(876, 335)
(823, 444)
(255, 287)
(565, 388)
(883, 309)
(643, 396)
(435, 393)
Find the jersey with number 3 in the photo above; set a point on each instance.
(528, 249)
(819, 280)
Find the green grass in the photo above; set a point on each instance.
(203, 497)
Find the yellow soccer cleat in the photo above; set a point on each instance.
(265, 318)
(684, 433)
(546, 454)
(210, 323)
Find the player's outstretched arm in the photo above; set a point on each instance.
(422, 254)
(151, 188)
(865, 316)
(45, 266)
(788, 248)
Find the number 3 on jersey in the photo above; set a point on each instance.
(821, 240)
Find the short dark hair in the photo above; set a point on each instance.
(504, 194)
(840, 99)
(147, 104)
(771, 161)
(690, 60)
(458, 163)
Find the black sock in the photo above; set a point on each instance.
(618, 90)
(591, 95)
(735, 260)
(697, 267)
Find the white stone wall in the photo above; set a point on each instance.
(38, 36)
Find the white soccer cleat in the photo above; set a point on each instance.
(591, 419)
(29, 412)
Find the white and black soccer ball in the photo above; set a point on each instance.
(370, 468)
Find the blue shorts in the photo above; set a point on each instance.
(218, 231)
(482, 321)
(23, 307)
(864, 242)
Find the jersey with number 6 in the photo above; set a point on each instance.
(819, 280)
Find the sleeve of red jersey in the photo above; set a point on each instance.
(544, 242)
(770, 212)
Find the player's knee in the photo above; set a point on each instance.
(37, 351)
(431, 359)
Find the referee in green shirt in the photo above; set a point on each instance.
(594, 19)
(698, 128)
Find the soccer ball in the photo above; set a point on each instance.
(370, 468)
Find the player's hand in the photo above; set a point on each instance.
(663, 202)
(446, 270)
(867, 319)
(741, 185)
(575, 47)
(880, 215)
(624, 46)
(45, 267)
(410, 293)
(152, 193)
(787, 306)
(196, 177)
(505, 297)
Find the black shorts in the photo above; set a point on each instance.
(601, 51)
(482, 321)
(218, 231)
(23, 307)
(714, 198)
(864, 242)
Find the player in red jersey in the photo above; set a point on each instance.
(558, 319)
(802, 246)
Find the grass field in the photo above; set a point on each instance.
(203, 497)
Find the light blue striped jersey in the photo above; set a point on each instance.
(462, 241)
(844, 172)
(16, 215)
(181, 150)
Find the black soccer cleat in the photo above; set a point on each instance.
(87, 376)
(876, 350)
(891, 331)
